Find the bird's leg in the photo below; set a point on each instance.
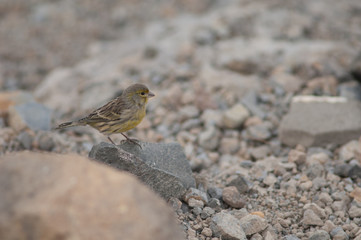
(111, 140)
(131, 140)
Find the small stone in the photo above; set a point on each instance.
(215, 192)
(356, 194)
(30, 115)
(197, 211)
(316, 209)
(317, 158)
(270, 180)
(207, 212)
(355, 210)
(259, 152)
(325, 198)
(297, 157)
(256, 236)
(214, 203)
(239, 182)
(310, 218)
(25, 139)
(227, 226)
(348, 151)
(252, 224)
(232, 197)
(229, 145)
(189, 111)
(235, 116)
(207, 232)
(192, 202)
(338, 234)
(211, 117)
(45, 142)
(290, 237)
(258, 132)
(209, 139)
(196, 194)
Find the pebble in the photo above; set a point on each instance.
(348, 151)
(297, 157)
(209, 139)
(252, 224)
(235, 116)
(241, 183)
(207, 232)
(290, 237)
(196, 194)
(192, 202)
(30, 115)
(259, 152)
(45, 141)
(338, 234)
(311, 219)
(25, 139)
(232, 197)
(258, 132)
(215, 192)
(229, 145)
(227, 226)
(214, 203)
(207, 212)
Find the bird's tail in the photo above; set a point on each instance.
(67, 124)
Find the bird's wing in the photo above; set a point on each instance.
(108, 112)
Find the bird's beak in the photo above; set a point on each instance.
(150, 94)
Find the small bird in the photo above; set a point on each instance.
(119, 115)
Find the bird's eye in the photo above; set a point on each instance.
(142, 93)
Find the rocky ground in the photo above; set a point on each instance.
(263, 96)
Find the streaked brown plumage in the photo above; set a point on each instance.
(119, 115)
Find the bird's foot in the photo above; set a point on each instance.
(132, 140)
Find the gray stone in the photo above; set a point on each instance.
(215, 192)
(350, 91)
(228, 227)
(250, 102)
(252, 224)
(209, 139)
(310, 218)
(338, 234)
(347, 170)
(259, 132)
(235, 116)
(44, 141)
(241, 183)
(290, 237)
(259, 152)
(319, 235)
(30, 115)
(161, 166)
(207, 212)
(317, 121)
(214, 203)
(354, 211)
(25, 139)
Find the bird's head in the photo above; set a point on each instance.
(139, 93)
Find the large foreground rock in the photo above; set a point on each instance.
(161, 166)
(49, 196)
(318, 121)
